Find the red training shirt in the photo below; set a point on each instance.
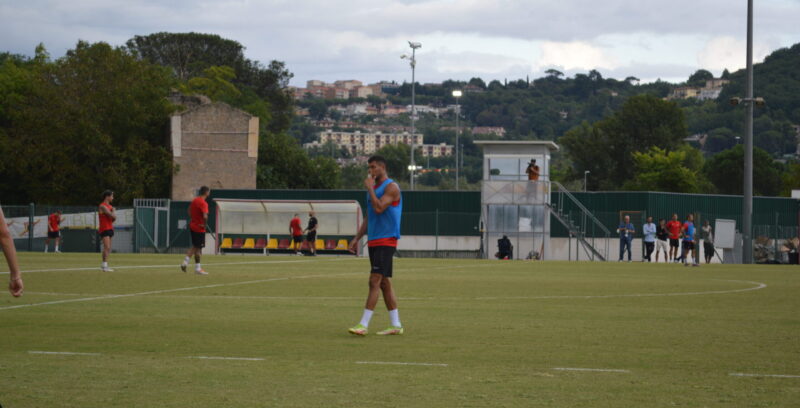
(54, 220)
(674, 228)
(295, 226)
(106, 223)
(197, 209)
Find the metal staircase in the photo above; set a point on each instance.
(583, 226)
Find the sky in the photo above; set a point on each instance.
(461, 39)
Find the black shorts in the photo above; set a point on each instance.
(674, 243)
(198, 239)
(298, 239)
(107, 233)
(688, 245)
(708, 247)
(53, 234)
(380, 259)
(311, 236)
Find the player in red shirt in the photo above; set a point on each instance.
(107, 216)
(53, 230)
(198, 214)
(297, 233)
(674, 228)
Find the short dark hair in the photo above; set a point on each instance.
(203, 190)
(107, 193)
(377, 158)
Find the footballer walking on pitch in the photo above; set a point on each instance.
(198, 214)
(107, 216)
(382, 227)
(53, 230)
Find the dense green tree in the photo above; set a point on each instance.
(791, 179)
(214, 82)
(398, 158)
(661, 170)
(699, 77)
(725, 170)
(605, 148)
(284, 164)
(92, 120)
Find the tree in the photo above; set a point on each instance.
(661, 170)
(554, 73)
(398, 158)
(699, 77)
(284, 164)
(92, 120)
(215, 83)
(726, 169)
(606, 147)
(791, 179)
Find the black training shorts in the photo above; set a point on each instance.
(53, 234)
(674, 243)
(107, 233)
(298, 239)
(380, 259)
(688, 245)
(198, 239)
(311, 236)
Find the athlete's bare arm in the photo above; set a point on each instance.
(390, 195)
(15, 285)
(111, 213)
(362, 230)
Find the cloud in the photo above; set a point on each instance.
(574, 55)
(724, 52)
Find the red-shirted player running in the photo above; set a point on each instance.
(107, 216)
(53, 230)
(198, 212)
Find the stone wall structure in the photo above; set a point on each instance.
(213, 144)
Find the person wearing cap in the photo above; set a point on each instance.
(532, 171)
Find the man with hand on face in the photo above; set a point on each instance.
(382, 227)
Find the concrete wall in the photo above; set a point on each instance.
(214, 145)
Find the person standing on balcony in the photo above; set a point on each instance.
(532, 171)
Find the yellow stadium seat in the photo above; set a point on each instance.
(227, 243)
(273, 243)
(320, 244)
(342, 245)
(249, 243)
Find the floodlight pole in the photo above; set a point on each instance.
(457, 94)
(414, 47)
(747, 205)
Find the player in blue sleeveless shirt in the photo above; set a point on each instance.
(382, 227)
(689, 241)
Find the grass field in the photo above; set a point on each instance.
(478, 334)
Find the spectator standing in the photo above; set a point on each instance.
(311, 233)
(649, 230)
(661, 240)
(53, 230)
(626, 231)
(708, 241)
(532, 171)
(297, 233)
(674, 229)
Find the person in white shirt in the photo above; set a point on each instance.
(649, 232)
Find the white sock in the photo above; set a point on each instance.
(105, 264)
(186, 260)
(394, 318)
(197, 266)
(366, 317)
(56, 248)
(45, 248)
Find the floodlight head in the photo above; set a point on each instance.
(414, 45)
(457, 93)
(735, 101)
(760, 102)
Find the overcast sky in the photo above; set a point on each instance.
(491, 39)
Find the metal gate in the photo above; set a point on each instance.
(151, 217)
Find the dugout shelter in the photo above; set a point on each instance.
(262, 226)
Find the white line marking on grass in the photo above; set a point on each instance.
(227, 358)
(759, 285)
(401, 363)
(599, 370)
(158, 292)
(63, 353)
(764, 375)
(175, 265)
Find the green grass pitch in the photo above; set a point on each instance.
(478, 334)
